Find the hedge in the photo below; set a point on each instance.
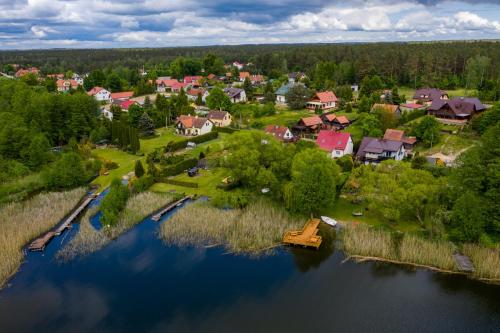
(176, 145)
(181, 183)
(226, 129)
(179, 167)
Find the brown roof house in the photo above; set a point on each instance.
(428, 95)
(387, 107)
(375, 150)
(459, 108)
(337, 122)
(399, 135)
(279, 132)
(189, 125)
(309, 125)
(220, 118)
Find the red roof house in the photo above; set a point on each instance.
(125, 105)
(323, 101)
(279, 132)
(124, 95)
(336, 143)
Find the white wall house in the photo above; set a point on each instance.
(100, 94)
(193, 126)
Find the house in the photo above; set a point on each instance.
(194, 81)
(236, 95)
(125, 105)
(100, 94)
(427, 95)
(295, 77)
(281, 133)
(308, 125)
(410, 107)
(354, 87)
(257, 79)
(322, 101)
(399, 135)
(176, 87)
(122, 96)
(59, 76)
(164, 83)
(211, 76)
(107, 114)
(220, 118)
(238, 65)
(189, 125)
(337, 144)
(459, 108)
(392, 108)
(78, 79)
(193, 94)
(244, 75)
(30, 70)
(283, 91)
(66, 85)
(374, 150)
(333, 121)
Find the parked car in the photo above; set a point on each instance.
(193, 172)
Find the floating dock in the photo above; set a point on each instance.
(40, 243)
(307, 237)
(157, 216)
(464, 263)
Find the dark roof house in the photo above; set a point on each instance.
(459, 108)
(377, 150)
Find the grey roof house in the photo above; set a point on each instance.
(374, 150)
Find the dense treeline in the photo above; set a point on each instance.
(412, 64)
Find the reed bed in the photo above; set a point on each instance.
(89, 240)
(22, 221)
(365, 241)
(254, 229)
(486, 261)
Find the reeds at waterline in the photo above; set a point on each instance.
(257, 227)
(486, 261)
(22, 221)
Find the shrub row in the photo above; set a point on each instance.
(176, 145)
(181, 183)
(226, 129)
(179, 167)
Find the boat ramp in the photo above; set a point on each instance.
(169, 207)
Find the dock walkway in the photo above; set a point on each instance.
(168, 208)
(40, 243)
(464, 263)
(307, 237)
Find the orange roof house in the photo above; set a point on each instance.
(322, 101)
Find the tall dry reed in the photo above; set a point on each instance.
(365, 241)
(259, 226)
(22, 221)
(486, 261)
(421, 251)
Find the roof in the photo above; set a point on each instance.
(460, 106)
(122, 95)
(233, 92)
(192, 79)
(219, 115)
(343, 120)
(429, 94)
(244, 75)
(126, 104)
(195, 92)
(388, 107)
(377, 146)
(191, 122)
(211, 76)
(394, 134)
(311, 121)
(330, 140)
(62, 83)
(277, 131)
(331, 117)
(325, 97)
(178, 85)
(412, 106)
(95, 91)
(166, 81)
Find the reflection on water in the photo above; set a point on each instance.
(138, 284)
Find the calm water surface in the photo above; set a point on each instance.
(138, 284)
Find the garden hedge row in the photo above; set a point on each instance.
(179, 167)
(226, 129)
(176, 145)
(181, 183)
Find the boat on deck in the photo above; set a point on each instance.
(329, 221)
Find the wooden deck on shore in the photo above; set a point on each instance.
(40, 243)
(307, 237)
(464, 263)
(169, 207)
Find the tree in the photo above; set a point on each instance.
(396, 99)
(199, 99)
(113, 203)
(146, 125)
(38, 153)
(269, 96)
(50, 84)
(114, 83)
(134, 113)
(427, 130)
(370, 125)
(218, 100)
(314, 182)
(386, 118)
(139, 169)
(116, 110)
(344, 93)
(247, 86)
(348, 108)
(476, 71)
(213, 64)
(31, 79)
(95, 78)
(297, 97)
(364, 104)
(66, 172)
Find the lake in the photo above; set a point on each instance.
(138, 284)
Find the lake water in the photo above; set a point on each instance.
(138, 284)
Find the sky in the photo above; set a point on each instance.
(35, 24)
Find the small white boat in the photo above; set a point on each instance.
(329, 221)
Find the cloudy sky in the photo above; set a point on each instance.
(26, 24)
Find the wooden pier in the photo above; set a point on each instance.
(464, 263)
(307, 237)
(40, 243)
(157, 216)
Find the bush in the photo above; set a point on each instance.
(176, 145)
(226, 129)
(67, 172)
(230, 200)
(139, 185)
(179, 167)
(110, 165)
(113, 203)
(345, 163)
(181, 183)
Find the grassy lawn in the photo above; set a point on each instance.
(165, 135)
(124, 160)
(409, 92)
(207, 181)
(342, 210)
(449, 144)
(284, 117)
